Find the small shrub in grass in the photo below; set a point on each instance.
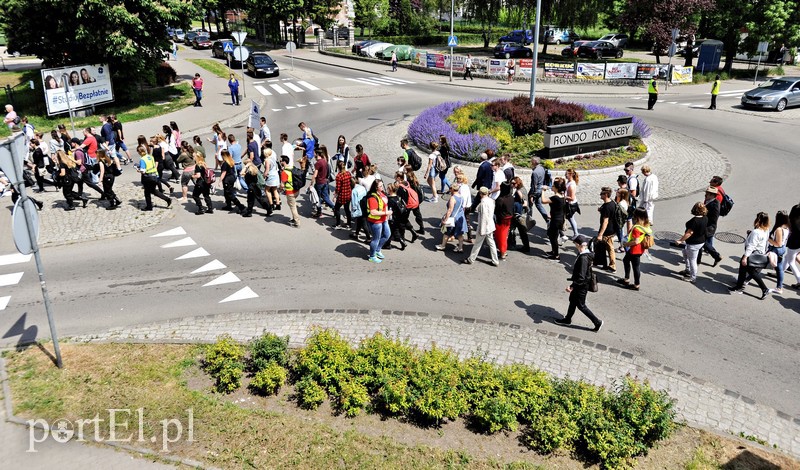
(479, 380)
(383, 360)
(353, 397)
(604, 438)
(649, 413)
(310, 394)
(266, 349)
(496, 413)
(327, 359)
(551, 429)
(394, 396)
(268, 380)
(435, 386)
(224, 361)
(528, 389)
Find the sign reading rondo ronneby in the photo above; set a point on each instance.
(78, 86)
(587, 136)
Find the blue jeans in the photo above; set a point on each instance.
(781, 268)
(380, 234)
(324, 194)
(536, 199)
(444, 180)
(238, 168)
(235, 97)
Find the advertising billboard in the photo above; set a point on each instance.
(681, 74)
(646, 71)
(82, 85)
(588, 71)
(620, 71)
(559, 69)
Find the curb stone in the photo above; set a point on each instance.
(698, 402)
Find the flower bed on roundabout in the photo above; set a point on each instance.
(511, 126)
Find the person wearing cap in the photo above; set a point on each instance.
(712, 206)
(486, 228)
(581, 276)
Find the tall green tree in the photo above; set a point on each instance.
(486, 12)
(367, 13)
(128, 35)
(658, 20)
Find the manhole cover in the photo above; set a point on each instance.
(728, 237)
(670, 236)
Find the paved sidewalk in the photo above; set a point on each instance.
(697, 402)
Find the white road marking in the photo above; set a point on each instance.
(289, 107)
(365, 81)
(262, 90)
(326, 101)
(308, 85)
(684, 104)
(637, 97)
(276, 110)
(241, 294)
(14, 259)
(182, 242)
(698, 106)
(10, 279)
(385, 81)
(730, 92)
(660, 101)
(397, 80)
(4, 302)
(216, 264)
(279, 89)
(274, 80)
(335, 98)
(293, 87)
(313, 102)
(301, 105)
(198, 253)
(672, 102)
(170, 233)
(226, 278)
(258, 82)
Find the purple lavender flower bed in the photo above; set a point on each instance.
(431, 123)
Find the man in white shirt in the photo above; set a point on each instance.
(264, 132)
(468, 67)
(649, 192)
(499, 178)
(287, 148)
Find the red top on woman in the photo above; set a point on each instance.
(372, 204)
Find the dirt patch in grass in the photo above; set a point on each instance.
(242, 430)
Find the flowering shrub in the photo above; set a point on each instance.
(432, 123)
(526, 120)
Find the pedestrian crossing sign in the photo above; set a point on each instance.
(228, 47)
(452, 41)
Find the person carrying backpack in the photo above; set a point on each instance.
(410, 155)
(291, 187)
(202, 184)
(343, 193)
(637, 242)
(607, 230)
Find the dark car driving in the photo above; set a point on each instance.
(572, 51)
(201, 41)
(518, 35)
(506, 50)
(599, 50)
(261, 63)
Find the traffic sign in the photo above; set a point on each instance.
(228, 47)
(762, 47)
(239, 36)
(7, 164)
(675, 33)
(19, 226)
(255, 115)
(241, 53)
(291, 46)
(452, 41)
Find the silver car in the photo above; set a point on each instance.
(775, 93)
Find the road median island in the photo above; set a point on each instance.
(165, 386)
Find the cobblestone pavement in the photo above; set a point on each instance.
(683, 164)
(697, 402)
(58, 227)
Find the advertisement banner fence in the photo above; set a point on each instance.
(621, 71)
(497, 68)
(88, 85)
(525, 67)
(590, 71)
(420, 58)
(559, 70)
(646, 71)
(681, 74)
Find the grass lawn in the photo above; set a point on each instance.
(152, 102)
(244, 431)
(216, 67)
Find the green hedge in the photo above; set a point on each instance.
(393, 378)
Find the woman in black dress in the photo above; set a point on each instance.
(109, 169)
(201, 186)
(68, 174)
(228, 176)
(557, 203)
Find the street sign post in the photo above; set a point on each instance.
(291, 46)
(227, 49)
(763, 46)
(241, 54)
(12, 156)
(255, 115)
(452, 41)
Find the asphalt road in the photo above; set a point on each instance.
(739, 342)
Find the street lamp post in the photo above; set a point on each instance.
(535, 51)
(452, 11)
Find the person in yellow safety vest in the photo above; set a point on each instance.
(291, 192)
(149, 171)
(652, 92)
(714, 93)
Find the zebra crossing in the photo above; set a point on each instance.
(11, 279)
(381, 80)
(723, 94)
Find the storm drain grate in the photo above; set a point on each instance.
(728, 237)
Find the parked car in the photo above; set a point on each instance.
(560, 36)
(599, 50)
(189, 36)
(404, 52)
(261, 63)
(373, 49)
(680, 43)
(775, 93)
(505, 50)
(201, 41)
(572, 51)
(218, 48)
(518, 35)
(361, 44)
(618, 39)
(178, 35)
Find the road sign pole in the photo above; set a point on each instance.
(535, 51)
(452, 12)
(19, 186)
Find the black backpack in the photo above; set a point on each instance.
(298, 178)
(413, 159)
(548, 178)
(726, 205)
(620, 216)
